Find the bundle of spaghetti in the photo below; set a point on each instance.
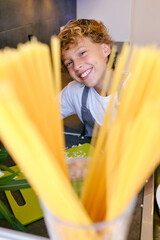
(139, 153)
(134, 127)
(138, 161)
(98, 163)
(127, 112)
(29, 71)
(125, 150)
(56, 58)
(137, 119)
(30, 127)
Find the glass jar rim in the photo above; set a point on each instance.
(94, 225)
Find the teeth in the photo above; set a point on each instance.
(85, 73)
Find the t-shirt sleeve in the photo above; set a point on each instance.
(66, 101)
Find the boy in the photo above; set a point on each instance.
(85, 46)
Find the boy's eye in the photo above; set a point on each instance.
(83, 52)
(68, 64)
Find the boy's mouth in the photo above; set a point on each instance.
(85, 74)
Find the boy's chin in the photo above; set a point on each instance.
(89, 84)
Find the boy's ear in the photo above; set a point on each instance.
(106, 49)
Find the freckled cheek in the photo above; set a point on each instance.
(71, 73)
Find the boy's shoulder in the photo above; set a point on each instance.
(73, 89)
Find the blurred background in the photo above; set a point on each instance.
(135, 21)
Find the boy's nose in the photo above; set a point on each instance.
(77, 65)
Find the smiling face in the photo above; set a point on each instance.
(86, 62)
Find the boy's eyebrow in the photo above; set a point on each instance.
(80, 47)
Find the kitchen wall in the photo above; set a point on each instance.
(145, 22)
(115, 14)
(136, 21)
(20, 19)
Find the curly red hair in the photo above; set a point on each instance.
(74, 30)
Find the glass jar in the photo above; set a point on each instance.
(116, 229)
